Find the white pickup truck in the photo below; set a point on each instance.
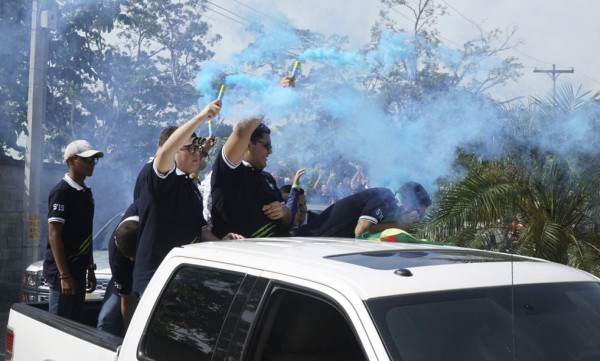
(336, 299)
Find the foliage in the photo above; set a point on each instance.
(565, 101)
(433, 68)
(538, 200)
(119, 69)
(15, 19)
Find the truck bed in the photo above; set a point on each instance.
(46, 331)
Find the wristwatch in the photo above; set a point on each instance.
(92, 267)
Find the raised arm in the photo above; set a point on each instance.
(165, 155)
(237, 143)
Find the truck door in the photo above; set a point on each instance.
(197, 313)
(299, 325)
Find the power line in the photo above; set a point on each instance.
(588, 77)
(412, 20)
(229, 11)
(461, 14)
(471, 21)
(261, 13)
(226, 16)
(264, 15)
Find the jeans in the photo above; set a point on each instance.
(110, 318)
(68, 306)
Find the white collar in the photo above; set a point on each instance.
(72, 182)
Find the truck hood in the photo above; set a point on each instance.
(100, 258)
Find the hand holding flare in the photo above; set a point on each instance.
(220, 98)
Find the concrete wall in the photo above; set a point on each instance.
(112, 193)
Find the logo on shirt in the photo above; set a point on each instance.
(58, 207)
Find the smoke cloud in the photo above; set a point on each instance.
(336, 117)
(331, 113)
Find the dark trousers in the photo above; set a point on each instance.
(68, 306)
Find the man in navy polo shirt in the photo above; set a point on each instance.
(245, 198)
(169, 203)
(373, 210)
(119, 302)
(69, 256)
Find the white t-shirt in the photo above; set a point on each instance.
(204, 188)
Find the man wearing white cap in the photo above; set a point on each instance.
(70, 218)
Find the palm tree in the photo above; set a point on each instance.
(534, 205)
(541, 201)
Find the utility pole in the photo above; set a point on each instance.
(43, 20)
(553, 73)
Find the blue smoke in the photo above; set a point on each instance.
(337, 115)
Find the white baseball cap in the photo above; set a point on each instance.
(81, 148)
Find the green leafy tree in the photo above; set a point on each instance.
(15, 20)
(541, 198)
(121, 71)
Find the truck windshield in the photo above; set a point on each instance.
(104, 235)
(543, 322)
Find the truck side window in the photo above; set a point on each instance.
(188, 317)
(303, 327)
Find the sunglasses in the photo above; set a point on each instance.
(191, 148)
(268, 146)
(89, 160)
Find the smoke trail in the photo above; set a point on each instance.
(332, 56)
(204, 83)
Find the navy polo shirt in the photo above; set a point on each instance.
(238, 194)
(121, 266)
(170, 212)
(139, 182)
(73, 206)
(375, 205)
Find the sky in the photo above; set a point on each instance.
(551, 32)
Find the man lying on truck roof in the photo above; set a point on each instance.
(372, 210)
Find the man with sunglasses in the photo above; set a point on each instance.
(169, 203)
(69, 257)
(373, 210)
(245, 198)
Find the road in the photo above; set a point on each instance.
(9, 294)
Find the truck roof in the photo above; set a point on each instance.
(374, 269)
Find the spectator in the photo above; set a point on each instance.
(69, 256)
(246, 199)
(170, 204)
(323, 189)
(119, 302)
(359, 181)
(204, 185)
(372, 210)
(295, 199)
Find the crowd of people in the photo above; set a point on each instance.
(327, 187)
(238, 199)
